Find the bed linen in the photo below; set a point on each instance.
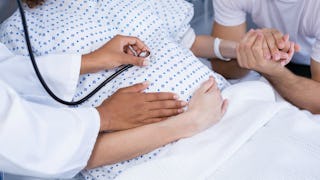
(261, 137)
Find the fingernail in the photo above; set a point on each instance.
(277, 56)
(183, 103)
(146, 83)
(175, 96)
(180, 110)
(145, 63)
(146, 49)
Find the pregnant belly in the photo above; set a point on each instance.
(172, 69)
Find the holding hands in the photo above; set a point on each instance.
(265, 50)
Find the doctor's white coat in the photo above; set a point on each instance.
(39, 137)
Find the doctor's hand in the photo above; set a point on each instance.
(114, 53)
(130, 107)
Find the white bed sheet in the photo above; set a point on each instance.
(286, 148)
(269, 141)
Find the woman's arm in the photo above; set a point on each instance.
(205, 109)
(111, 148)
(204, 47)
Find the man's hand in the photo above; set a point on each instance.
(250, 53)
(130, 107)
(276, 46)
(113, 54)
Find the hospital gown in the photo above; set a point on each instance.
(61, 26)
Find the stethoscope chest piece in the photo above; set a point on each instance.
(144, 54)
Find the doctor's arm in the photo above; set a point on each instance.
(114, 53)
(42, 141)
(57, 142)
(61, 71)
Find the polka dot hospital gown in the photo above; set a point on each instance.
(81, 26)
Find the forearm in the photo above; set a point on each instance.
(59, 140)
(229, 69)
(119, 146)
(203, 47)
(300, 91)
(89, 65)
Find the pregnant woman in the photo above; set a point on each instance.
(70, 26)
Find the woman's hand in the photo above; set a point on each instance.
(114, 53)
(207, 106)
(205, 109)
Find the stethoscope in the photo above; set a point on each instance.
(44, 84)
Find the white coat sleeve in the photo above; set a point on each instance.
(60, 71)
(38, 140)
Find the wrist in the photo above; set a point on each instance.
(104, 121)
(224, 49)
(274, 72)
(182, 125)
(228, 48)
(85, 64)
(280, 75)
(89, 64)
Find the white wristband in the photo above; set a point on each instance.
(216, 50)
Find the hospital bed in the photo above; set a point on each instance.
(270, 141)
